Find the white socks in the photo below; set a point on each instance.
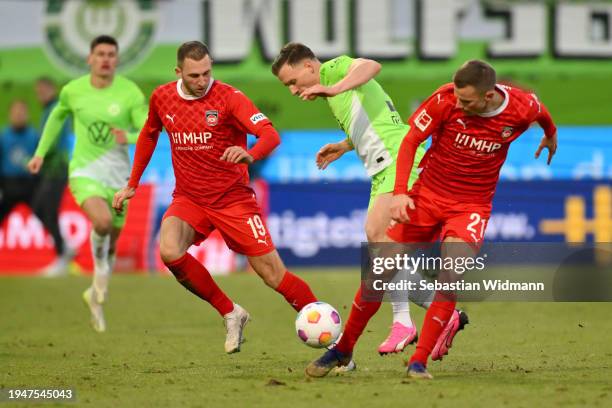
(401, 313)
(401, 309)
(111, 262)
(99, 250)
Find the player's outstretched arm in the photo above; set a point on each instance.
(360, 72)
(331, 152)
(51, 131)
(405, 159)
(145, 146)
(544, 119)
(138, 116)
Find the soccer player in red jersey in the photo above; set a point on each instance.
(207, 122)
(472, 123)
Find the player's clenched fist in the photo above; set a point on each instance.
(35, 164)
(236, 154)
(399, 203)
(120, 196)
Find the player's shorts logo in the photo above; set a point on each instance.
(69, 27)
(212, 117)
(507, 132)
(99, 133)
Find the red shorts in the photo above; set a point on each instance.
(240, 225)
(436, 217)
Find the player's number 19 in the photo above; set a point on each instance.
(257, 226)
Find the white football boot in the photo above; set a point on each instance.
(234, 325)
(94, 301)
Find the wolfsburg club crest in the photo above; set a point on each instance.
(70, 25)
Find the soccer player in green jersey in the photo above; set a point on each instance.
(108, 110)
(374, 130)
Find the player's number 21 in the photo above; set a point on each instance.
(257, 226)
(473, 226)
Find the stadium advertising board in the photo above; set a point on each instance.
(26, 248)
(322, 224)
(584, 153)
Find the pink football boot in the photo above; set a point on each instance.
(400, 337)
(457, 322)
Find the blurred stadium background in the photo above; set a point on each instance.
(561, 50)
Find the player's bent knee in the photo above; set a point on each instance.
(102, 225)
(375, 234)
(170, 253)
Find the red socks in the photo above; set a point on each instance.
(361, 313)
(296, 291)
(195, 278)
(436, 318)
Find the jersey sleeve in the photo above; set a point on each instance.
(538, 113)
(145, 145)
(254, 122)
(246, 113)
(55, 123)
(138, 115)
(425, 121)
(430, 114)
(335, 70)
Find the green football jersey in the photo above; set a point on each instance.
(368, 117)
(96, 111)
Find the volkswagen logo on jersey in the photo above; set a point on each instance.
(212, 117)
(507, 132)
(99, 133)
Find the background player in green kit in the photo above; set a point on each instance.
(374, 130)
(108, 110)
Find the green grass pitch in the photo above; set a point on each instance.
(164, 348)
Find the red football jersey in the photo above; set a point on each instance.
(200, 129)
(468, 151)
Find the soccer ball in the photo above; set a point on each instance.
(318, 325)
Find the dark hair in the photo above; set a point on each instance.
(476, 73)
(103, 39)
(291, 54)
(194, 50)
(46, 80)
(18, 102)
